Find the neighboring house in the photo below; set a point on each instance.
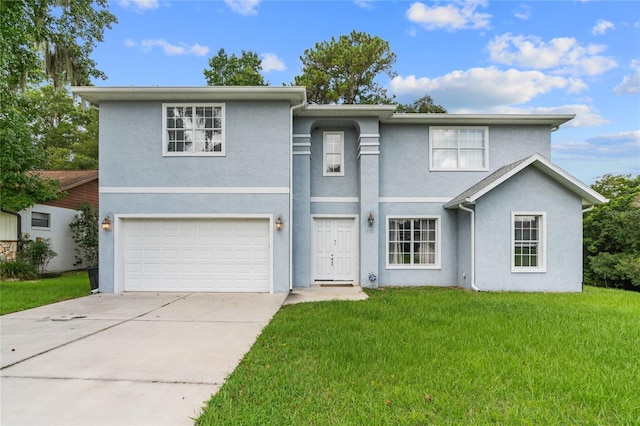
(51, 220)
(252, 189)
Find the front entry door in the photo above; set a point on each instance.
(334, 253)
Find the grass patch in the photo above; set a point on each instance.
(441, 356)
(20, 295)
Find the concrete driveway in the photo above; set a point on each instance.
(125, 359)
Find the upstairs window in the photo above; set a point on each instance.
(191, 130)
(460, 148)
(333, 147)
(528, 242)
(40, 220)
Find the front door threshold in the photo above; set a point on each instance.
(335, 283)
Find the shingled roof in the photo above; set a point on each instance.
(69, 178)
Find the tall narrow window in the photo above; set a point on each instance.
(463, 148)
(528, 242)
(193, 129)
(413, 243)
(333, 146)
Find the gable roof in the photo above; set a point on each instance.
(589, 196)
(69, 178)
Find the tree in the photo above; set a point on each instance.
(41, 40)
(423, 105)
(66, 132)
(84, 230)
(344, 70)
(231, 70)
(612, 234)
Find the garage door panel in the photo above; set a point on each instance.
(196, 254)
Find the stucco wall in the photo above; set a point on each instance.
(529, 190)
(257, 145)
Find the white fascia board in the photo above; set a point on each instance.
(552, 120)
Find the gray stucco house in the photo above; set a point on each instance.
(252, 189)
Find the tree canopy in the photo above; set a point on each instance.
(42, 40)
(612, 234)
(423, 105)
(344, 70)
(225, 70)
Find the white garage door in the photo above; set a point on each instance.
(230, 255)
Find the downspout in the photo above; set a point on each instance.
(588, 209)
(473, 245)
(291, 109)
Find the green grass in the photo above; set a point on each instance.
(431, 356)
(21, 295)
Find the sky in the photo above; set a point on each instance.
(478, 56)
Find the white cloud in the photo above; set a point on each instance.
(167, 48)
(523, 12)
(562, 54)
(458, 15)
(602, 27)
(140, 5)
(482, 89)
(365, 4)
(271, 62)
(243, 7)
(630, 83)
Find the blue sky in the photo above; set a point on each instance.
(578, 57)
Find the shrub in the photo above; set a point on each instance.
(84, 229)
(17, 270)
(38, 253)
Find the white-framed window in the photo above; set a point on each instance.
(413, 242)
(193, 130)
(459, 148)
(333, 149)
(40, 220)
(528, 235)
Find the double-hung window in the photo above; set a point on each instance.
(413, 242)
(459, 148)
(528, 237)
(333, 160)
(193, 130)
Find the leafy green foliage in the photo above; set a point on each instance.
(17, 270)
(84, 230)
(423, 105)
(38, 253)
(344, 70)
(612, 234)
(225, 70)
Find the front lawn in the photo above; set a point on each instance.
(21, 295)
(431, 356)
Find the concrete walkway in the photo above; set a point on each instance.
(125, 359)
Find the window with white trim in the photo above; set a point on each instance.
(193, 129)
(528, 235)
(40, 220)
(333, 148)
(413, 242)
(459, 148)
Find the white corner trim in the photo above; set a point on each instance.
(193, 190)
(301, 153)
(369, 135)
(302, 135)
(302, 144)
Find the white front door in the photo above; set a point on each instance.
(334, 249)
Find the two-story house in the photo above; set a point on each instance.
(253, 189)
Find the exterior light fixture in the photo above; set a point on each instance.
(106, 223)
(279, 223)
(370, 219)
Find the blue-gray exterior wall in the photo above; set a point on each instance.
(257, 143)
(529, 191)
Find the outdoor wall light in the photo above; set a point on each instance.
(370, 219)
(106, 223)
(279, 223)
